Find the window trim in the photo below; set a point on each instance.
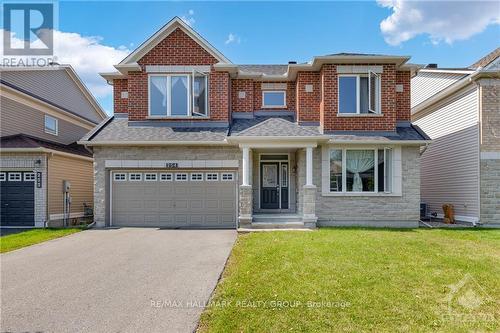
(194, 174)
(181, 180)
(30, 174)
(227, 174)
(190, 96)
(358, 102)
(166, 174)
(212, 180)
(274, 106)
(375, 149)
(15, 180)
(120, 174)
(150, 174)
(49, 131)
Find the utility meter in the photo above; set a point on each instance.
(66, 186)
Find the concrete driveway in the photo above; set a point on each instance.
(114, 280)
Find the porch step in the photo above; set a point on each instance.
(277, 218)
(278, 225)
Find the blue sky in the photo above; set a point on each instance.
(276, 32)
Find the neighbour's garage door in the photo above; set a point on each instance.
(17, 202)
(190, 199)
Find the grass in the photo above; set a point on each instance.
(375, 281)
(30, 237)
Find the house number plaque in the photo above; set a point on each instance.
(171, 165)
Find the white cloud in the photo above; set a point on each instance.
(446, 21)
(232, 38)
(189, 18)
(88, 56)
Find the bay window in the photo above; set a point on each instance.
(361, 170)
(359, 94)
(178, 95)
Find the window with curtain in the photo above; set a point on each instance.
(359, 94)
(178, 95)
(361, 170)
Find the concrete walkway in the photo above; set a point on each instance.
(113, 280)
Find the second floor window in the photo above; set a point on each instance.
(178, 95)
(274, 99)
(51, 125)
(359, 94)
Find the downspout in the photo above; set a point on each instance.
(47, 215)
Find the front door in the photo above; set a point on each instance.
(270, 185)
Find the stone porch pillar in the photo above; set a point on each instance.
(309, 190)
(245, 192)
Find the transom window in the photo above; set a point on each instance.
(212, 177)
(359, 94)
(196, 176)
(150, 177)
(361, 170)
(178, 95)
(227, 177)
(51, 125)
(182, 177)
(29, 176)
(120, 177)
(166, 177)
(135, 177)
(274, 99)
(15, 177)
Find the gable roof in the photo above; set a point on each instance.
(166, 30)
(28, 141)
(58, 85)
(487, 59)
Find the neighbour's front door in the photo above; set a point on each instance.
(270, 185)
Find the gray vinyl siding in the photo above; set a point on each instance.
(450, 165)
(427, 84)
(16, 118)
(56, 86)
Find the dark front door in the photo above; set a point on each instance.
(270, 185)
(17, 201)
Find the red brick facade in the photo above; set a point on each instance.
(320, 105)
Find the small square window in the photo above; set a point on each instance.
(212, 177)
(2, 176)
(15, 176)
(181, 177)
(150, 177)
(166, 177)
(51, 125)
(135, 177)
(120, 177)
(197, 177)
(227, 177)
(29, 176)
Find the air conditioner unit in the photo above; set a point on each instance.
(423, 210)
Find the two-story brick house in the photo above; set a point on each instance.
(197, 141)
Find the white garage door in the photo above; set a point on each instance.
(190, 199)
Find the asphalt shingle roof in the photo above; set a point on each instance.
(271, 126)
(27, 141)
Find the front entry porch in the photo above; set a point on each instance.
(277, 189)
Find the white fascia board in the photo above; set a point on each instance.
(110, 76)
(125, 68)
(45, 150)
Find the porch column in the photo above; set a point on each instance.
(309, 166)
(245, 192)
(309, 193)
(246, 166)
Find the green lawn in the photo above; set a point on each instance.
(375, 281)
(30, 237)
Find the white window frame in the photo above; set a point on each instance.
(117, 177)
(227, 175)
(358, 102)
(3, 176)
(376, 180)
(190, 96)
(11, 179)
(274, 106)
(181, 177)
(47, 130)
(152, 175)
(133, 174)
(29, 177)
(210, 175)
(194, 177)
(166, 176)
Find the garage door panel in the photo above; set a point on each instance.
(17, 201)
(174, 203)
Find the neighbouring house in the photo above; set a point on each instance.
(459, 108)
(197, 141)
(45, 176)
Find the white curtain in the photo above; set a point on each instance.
(160, 82)
(358, 161)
